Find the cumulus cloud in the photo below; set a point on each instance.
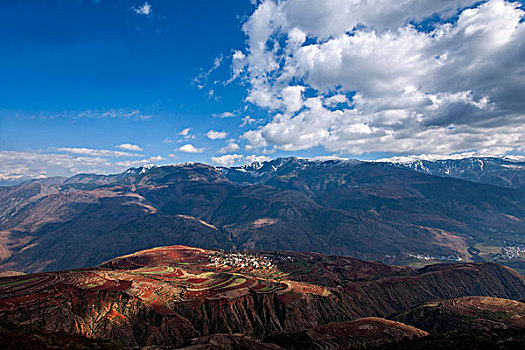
(226, 160)
(256, 159)
(189, 148)
(231, 146)
(129, 147)
(356, 76)
(216, 135)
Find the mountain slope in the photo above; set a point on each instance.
(372, 211)
(466, 313)
(166, 296)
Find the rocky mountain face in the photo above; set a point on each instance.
(372, 211)
(168, 296)
(494, 171)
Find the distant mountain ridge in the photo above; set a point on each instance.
(494, 171)
(499, 171)
(370, 210)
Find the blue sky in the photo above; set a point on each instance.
(60, 59)
(101, 85)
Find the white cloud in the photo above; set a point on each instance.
(29, 165)
(334, 100)
(96, 152)
(247, 121)
(226, 160)
(129, 147)
(430, 157)
(292, 98)
(256, 159)
(185, 132)
(115, 113)
(458, 87)
(238, 64)
(133, 114)
(144, 9)
(189, 148)
(201, 80)
(157, 158)
(23, 166)
(216, 135)
(224, 115)
(229, 160)
(186, 135)
(231, 146)
(138, 163)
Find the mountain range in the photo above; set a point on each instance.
(396, 213)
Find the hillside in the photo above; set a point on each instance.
(466, 313)
(372, 211)
(167, 296)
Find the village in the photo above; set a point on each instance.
(241, 260)
(245, 260)
(435, 257)
(509, 253)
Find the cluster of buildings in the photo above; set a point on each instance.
(241, 260)
(509, 253)
(435, 257)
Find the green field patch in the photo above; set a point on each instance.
(219, 283)
(419, 264)
(268, 288)
(17, 282)
(206, 275)
(236, 282)
(486, 248)
(326, 292)
(156, 270)
(188, 263)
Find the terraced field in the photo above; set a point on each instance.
(357, 334)
(472, 312)
(167, 296)
(158, 277)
